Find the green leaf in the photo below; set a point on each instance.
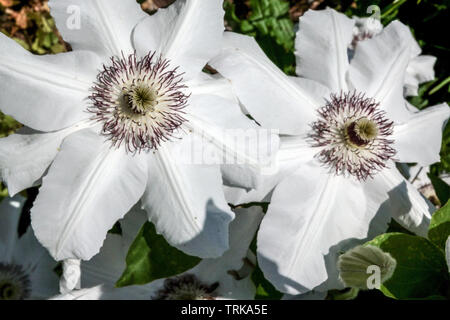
(421, 269)
(150, 257)
(439, 229)
(441, 187)
(346, 294)
(269, 23)
(264, 289)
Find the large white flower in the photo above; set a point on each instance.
(420, 68)
(347, 122)
(26, 268)
(226, 277)
(110, 119)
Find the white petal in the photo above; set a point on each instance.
(311, 295)
(209, 271)
(102, 26)
(311, 213)
(107, 292)
(419, 139)
(379, 66)
(25, 156)
(447, 252)
(407, 206)
(10, 210)
(88, 188)
(293, 151)
(420, 69)
(94, 293)
(189, 33)
(107, 266)
(242, 231)
(71, 277)
(321, 47)
(212, 85)
(131, 225)
(186, 203)
(38, 264)
(225, 136)
(270, 96)
(47, 92)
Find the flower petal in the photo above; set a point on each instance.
(56, 86)
(379, 67)
(186, 203)
(102, 26)
(321, 47)
(213, 84)
(271, 97)
(420, 69)
(447, 252)
(107, 292)
(131, 224)
(293, 151)
(311, 212)
(225, 136)
(39, 265)
(10, 209)
(242, 231)
(189, 33)
(26, 155)
(419, 139)
(105, 267)
(88, 188)
(407, 206)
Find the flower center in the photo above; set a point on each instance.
(14, 283)
(141, 99)
(360, 132)
(352, 134)
(139, 102)
(186, 287)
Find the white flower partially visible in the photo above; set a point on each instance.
(227, 277)
(418, 177)
(109, 119)
(346, 123)
(447, 253)
(26, 269)
(421, 67)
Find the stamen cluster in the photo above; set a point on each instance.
(353, 135)
(139, 102)
(186, 287)
(14, 282)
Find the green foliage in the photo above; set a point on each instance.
(346, 294)
(264, 289)
(7, 125)
(439, 229)
(268, 22)
(150, 257)
(441, 187)
(421, 269)
(46, 40)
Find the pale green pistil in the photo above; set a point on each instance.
(360, 132)
(141, 99)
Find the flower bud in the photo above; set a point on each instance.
(71, 276)
(365, 267)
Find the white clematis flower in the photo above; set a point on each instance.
(109, 120)
(222, 278)
(347, 123)
(26, 268)
(421, 67)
